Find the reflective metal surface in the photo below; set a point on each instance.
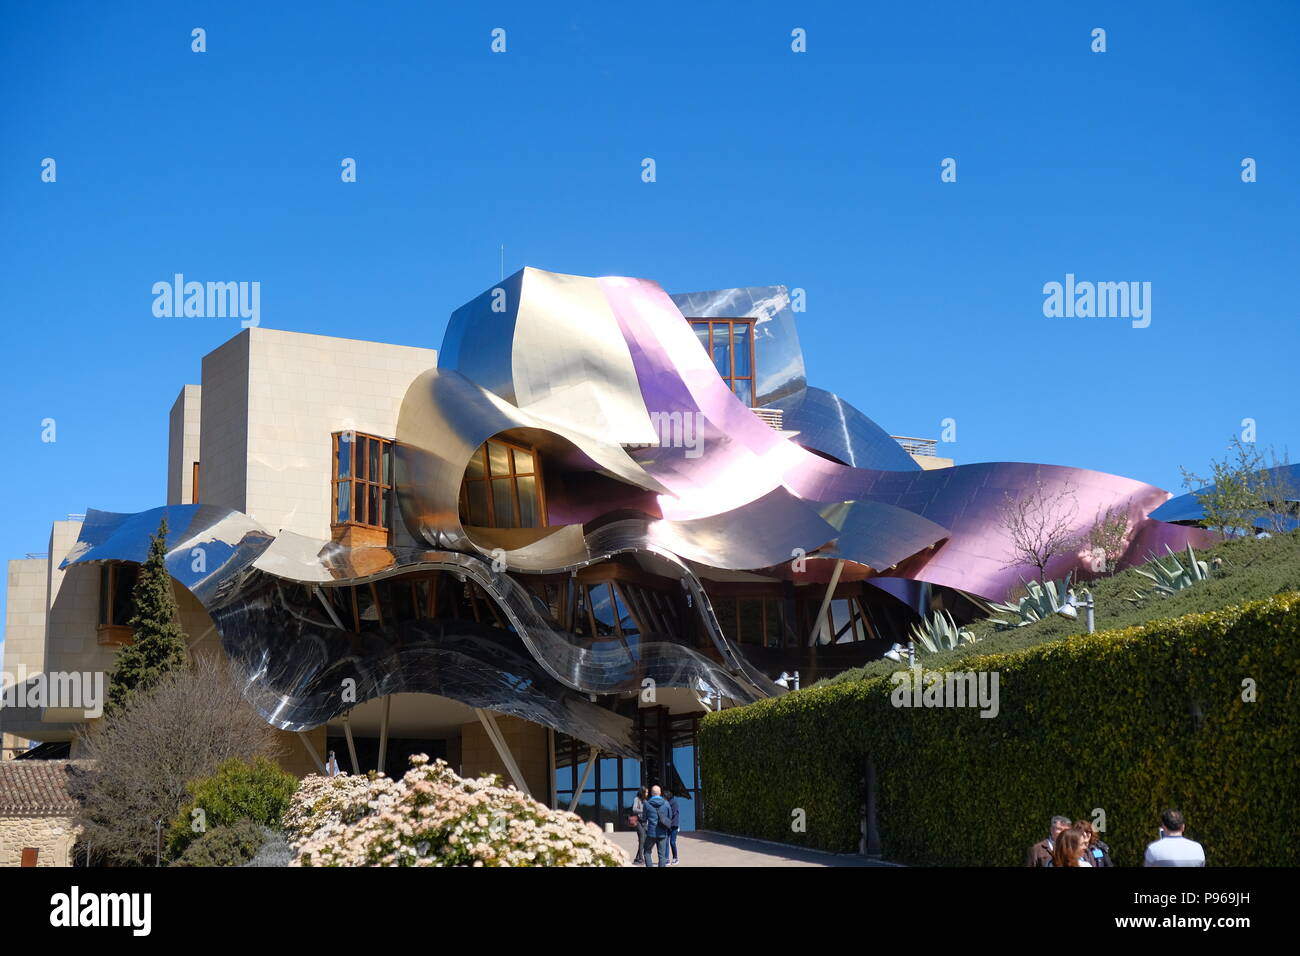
(259, 592)
(831, 425)
(1188, 507)
(647, 456)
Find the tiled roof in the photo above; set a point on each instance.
(36, 788)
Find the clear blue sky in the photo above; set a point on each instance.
(817, 170)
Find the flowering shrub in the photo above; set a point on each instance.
(321, 801)
(432, 817)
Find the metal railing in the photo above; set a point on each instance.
(918, 446)
(774, 417)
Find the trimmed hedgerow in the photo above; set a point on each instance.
(1127, 722)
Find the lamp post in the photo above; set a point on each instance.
(1070, 611)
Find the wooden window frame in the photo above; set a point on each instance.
(731, 377)
(194, 484)
(513, 476)
(360, 475)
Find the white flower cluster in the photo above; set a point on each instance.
(432, 817)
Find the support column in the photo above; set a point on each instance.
(383, 732)
(311, 750)
(582, 784)
(489, 723)
(826, 603)
(352, 747)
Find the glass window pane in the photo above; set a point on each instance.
(625, 619)
(722, 350)
(608, 812)
(631, 774)
(751, 621)
(344, 501)
(498, 458)
(123, 584)
(725, 608)
(478, 507)
(772, 613)
(684, 764)
(602, 609)
(358, 455)
(523, 462)
(840, 620)
(366, 610)
(344, 463)
(503, 504)
(388, 463)
(374, 473)
(702, 333)
(530, 515)
(740, 333)
(373, 516)
(744, 390)
(359, 502)
(475, 467)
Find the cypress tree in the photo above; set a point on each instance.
(159, 642)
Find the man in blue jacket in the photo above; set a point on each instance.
(658, 824)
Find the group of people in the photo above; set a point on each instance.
(657, 820)
(1079, 844)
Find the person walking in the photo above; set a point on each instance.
(637, 820)
(658, 824)
(1040, 854)
(675, 824)
(1173, 849)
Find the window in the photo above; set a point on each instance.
(194, 486)
(503, 488)
(362, 487)
(116, 582)
(730, 343)
(749, 620)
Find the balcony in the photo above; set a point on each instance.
(924, 447)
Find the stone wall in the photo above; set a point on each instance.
(53, 837)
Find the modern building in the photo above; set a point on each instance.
(544, 550)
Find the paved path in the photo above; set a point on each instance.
(703, 848)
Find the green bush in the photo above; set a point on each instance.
(232, 845)
(1127, 721)
(258, 791)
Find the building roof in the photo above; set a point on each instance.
(37, 787)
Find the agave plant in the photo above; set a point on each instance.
(941, 633)
(1042, 600)
(1173, 577)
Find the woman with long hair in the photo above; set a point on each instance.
(1071, 849)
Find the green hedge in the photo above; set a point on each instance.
(1129, 721)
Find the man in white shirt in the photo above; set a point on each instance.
(1174, 849)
